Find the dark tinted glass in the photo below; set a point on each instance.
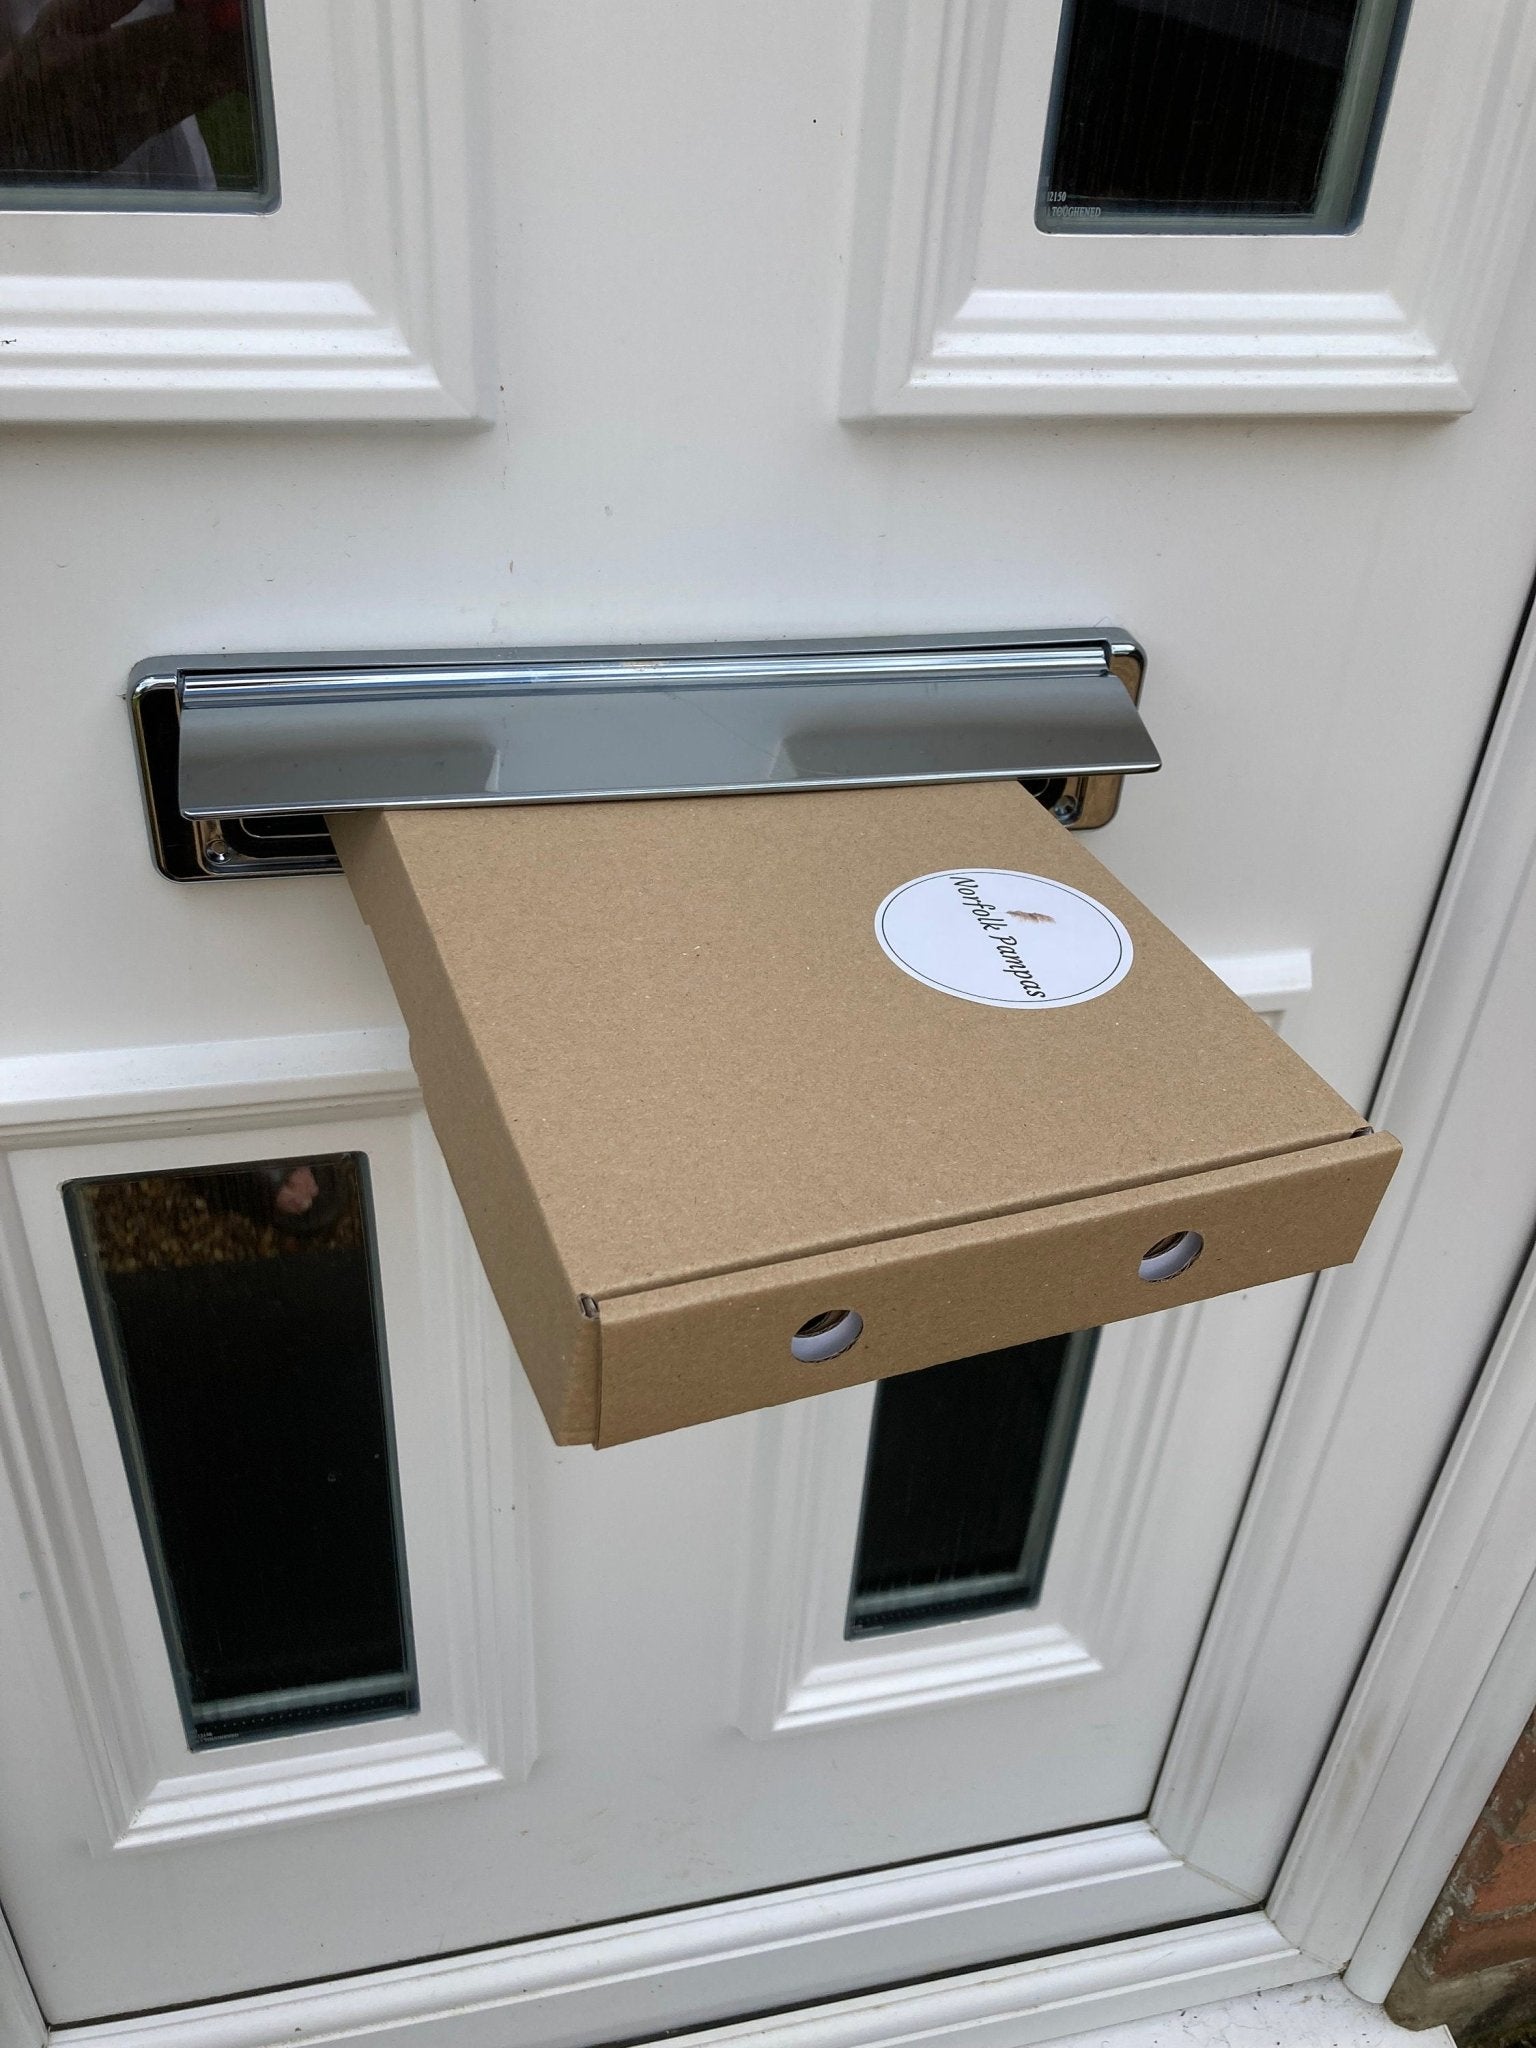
(967, 1465)
(1224, 113)
(140, 103)
(236, 1315)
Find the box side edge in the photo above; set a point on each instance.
(1007, 1280)
(557, 1344)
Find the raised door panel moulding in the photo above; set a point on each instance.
(800, 1672)
(797, 1669)
(162, 1107)
(958, 304)
(354, 299)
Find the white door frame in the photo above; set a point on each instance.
(1390, 1352)
(1450, 1678)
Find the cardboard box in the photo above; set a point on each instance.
(693, 1101)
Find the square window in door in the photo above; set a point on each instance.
(138, 104)
(1221, 116)
(967, 1466)
(236, 1313)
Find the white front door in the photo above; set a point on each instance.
(323, 1657)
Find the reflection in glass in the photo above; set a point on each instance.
(967, 1466)
(236, 1314)
(138, 103)
(1222, 115)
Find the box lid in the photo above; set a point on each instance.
(665, 1039)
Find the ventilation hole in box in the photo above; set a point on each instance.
(828, 1335)
(1171, 1255)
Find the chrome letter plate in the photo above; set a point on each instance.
(242, 757)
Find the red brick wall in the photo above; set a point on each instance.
(1475, 1958)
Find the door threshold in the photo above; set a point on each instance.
(1179, 1985)
(1324, 2013)
(1148, 1992)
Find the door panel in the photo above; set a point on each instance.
(659, 1784)
(636, 1687)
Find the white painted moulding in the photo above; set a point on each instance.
(959, 306)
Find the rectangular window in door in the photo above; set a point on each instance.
(136, 105)
(1222, 116)
(236, 1314)
(967, 1466)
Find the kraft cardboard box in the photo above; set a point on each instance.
(723, 1082)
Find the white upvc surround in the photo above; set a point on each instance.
(800, 1673)
(1453, 1668)
(1389, 1355)
(958, 304)
(457, 1451)
(741, 1955)
(354, 300)
(1314, 2012)
(137, 1108)
(1270, 566)
(1034, 2001)
(1155, 1991)
(1451, 1677)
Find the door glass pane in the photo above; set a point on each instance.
(1221, 115)
(967, 1466)
(236, 1314)
(135, 103)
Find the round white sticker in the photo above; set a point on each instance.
(1015, 942)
